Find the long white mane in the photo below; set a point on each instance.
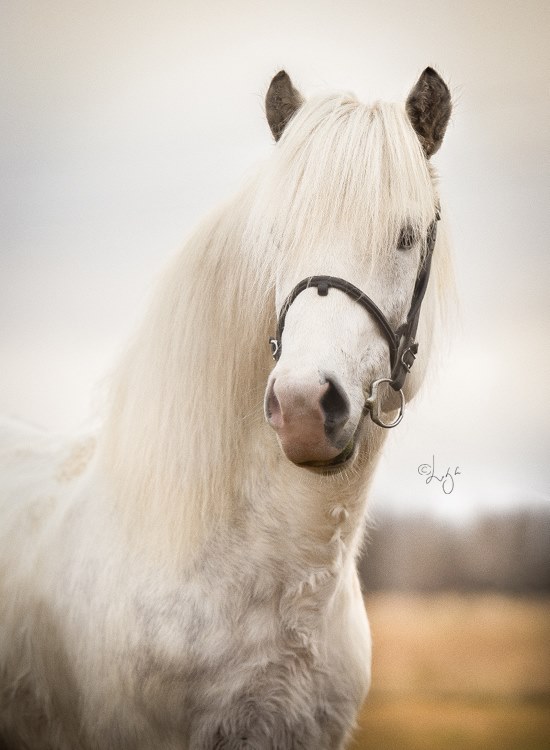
(185, 411)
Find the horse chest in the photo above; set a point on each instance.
(234, 677)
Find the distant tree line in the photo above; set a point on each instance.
(506, 551)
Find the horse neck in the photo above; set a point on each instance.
(186, 446)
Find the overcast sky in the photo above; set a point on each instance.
(123, 123)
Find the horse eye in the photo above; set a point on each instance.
(406, 239)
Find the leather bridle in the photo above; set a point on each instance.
(403, 346)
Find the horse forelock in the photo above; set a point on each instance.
(342, 168)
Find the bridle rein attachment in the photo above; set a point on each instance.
(402, 344)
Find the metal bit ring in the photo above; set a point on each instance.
(372, 405)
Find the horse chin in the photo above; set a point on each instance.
(334, 465)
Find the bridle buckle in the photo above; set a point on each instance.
(412, 350)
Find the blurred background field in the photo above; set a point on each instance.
(458, 671)
(460, 621)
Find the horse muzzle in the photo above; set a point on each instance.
(311, 416)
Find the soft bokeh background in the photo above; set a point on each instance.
(123, 123)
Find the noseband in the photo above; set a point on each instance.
(402, 345)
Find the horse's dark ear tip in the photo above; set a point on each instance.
(281, 102)
(280, 75)
(432, 74)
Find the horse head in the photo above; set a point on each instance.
(353, 207)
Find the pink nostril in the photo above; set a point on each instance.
(273, 408)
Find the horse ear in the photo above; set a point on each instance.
(429, 108)
(281, 102)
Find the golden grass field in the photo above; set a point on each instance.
(457, 671)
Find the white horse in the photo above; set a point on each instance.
(187, 578)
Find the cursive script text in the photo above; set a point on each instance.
(446, 480)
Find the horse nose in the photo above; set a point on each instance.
(308, 415)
